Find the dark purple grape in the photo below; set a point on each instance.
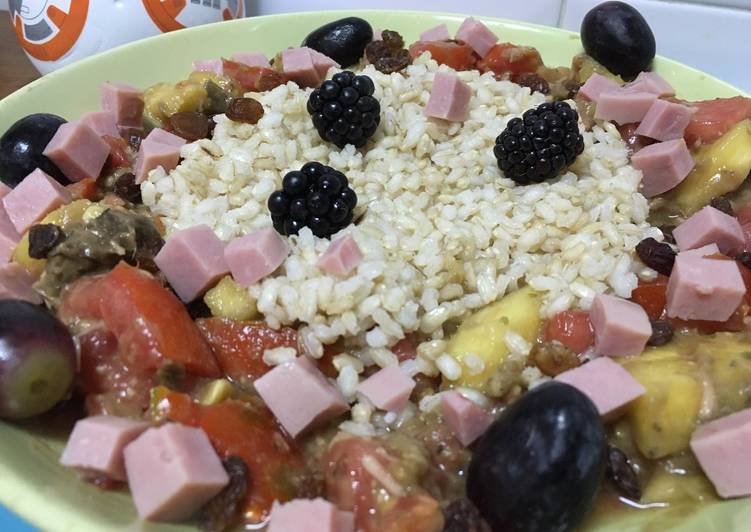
(37, 360)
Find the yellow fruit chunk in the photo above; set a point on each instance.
(72, 212)
(216, 391)
(664, 418)
(164, 99)
(230, 300)
(483, 334)
(727, 359)
(720, 168)
(673, 488)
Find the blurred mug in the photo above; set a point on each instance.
(55, 33)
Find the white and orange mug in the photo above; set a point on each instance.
(55, 33)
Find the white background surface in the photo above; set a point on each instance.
(712, 35)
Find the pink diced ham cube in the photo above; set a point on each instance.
(449, 98)
(16, 283)
(252, 257)
(651, 82)
(623, 106)
(665, 121)
(159, 148)
(251, 59)
(596, 85)
(621, 327)
(213, 66)
(95, 447)
(722, 449)
(172, 471)
(78, 151)
(102, 122)
(704, 288)
(708, 226)
(477, 35)
(704, 251)
(305, 66)
(436, 33)
(310, 515)
(388, 389)
(465, 419)
(322, 63)
(123, 101)
(4, 189)
(663, 165)
(606, 383)
(192, 260)
(33, 198)
(9, 237)
(341, 257)
(300, 396)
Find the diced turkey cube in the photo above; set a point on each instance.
(465, 419)
(95, 447)
(436, 33)
(300, 396)
(623, 106)
(651, 82)
(159, 148)
(305, 66)
(16, 283)
(388, 389)
(251, 59)
(722, 449)
(606, 383)
(704, 288)
(477, 35)
(172, 471)
(252, 257)
(310, 515)
(322, 63)
(449, 98)
(621, 327)
(123, 101)
(663, 165)
(708, 226)
(193, 261)
(665, 121)
(596, 85)
(78, 151)
(9, 237)
(341, 257)
(213, 66)
(102, 122)
(32, 199)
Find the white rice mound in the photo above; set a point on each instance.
(442, 233)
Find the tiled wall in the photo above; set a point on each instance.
(708, 34)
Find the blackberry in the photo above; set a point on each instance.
(344, 110)
(317, 197)
(540, 145)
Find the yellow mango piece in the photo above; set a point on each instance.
(670, 488)
(72, 212)
(163, 100)
(230, 300)
(226, 84)
(664, 418)
(216, 391)
(728, 361)
(484, 334)
(720, 168)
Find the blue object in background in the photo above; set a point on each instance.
(10, 522)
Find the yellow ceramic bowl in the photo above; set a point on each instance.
(53, 498)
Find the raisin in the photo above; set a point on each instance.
(620, 471)
(43, 238)
(535, 82)
(667, 233)
(745, 259)
(722, 203)
(245, 110)
(190, 125)
(554, 358)
(662, 333)
(462, 516)
(222, 512)
(388, 55)
(656, 255)
(127, 188)
(198, 309)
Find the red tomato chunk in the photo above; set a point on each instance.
(458, 56)
(571, 328)
(508, 60)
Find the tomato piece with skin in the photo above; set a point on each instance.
(257, 79)
(83, 189)
(239, 345)
(507, 61)
(456, 55)
(714, 118)
(119, 156)
(249, 431)
(571, 328)
(652, 296)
